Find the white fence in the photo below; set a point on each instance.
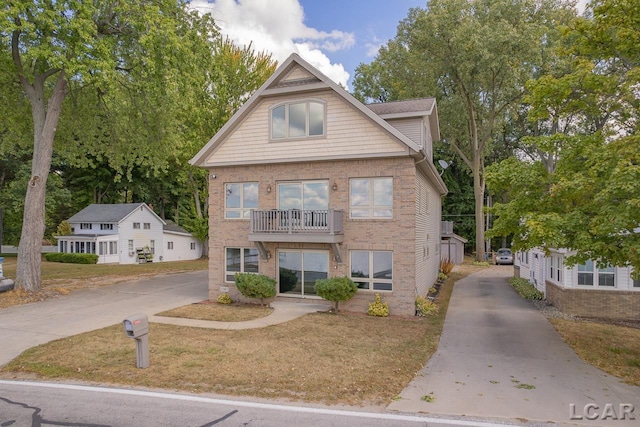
(6, 249)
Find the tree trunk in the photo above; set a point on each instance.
(45, 121)
(478, 192)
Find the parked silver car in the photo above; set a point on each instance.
(504, 256)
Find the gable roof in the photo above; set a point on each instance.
(418, 107)
(109, 213)
(286, 79)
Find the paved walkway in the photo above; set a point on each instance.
(499, 357)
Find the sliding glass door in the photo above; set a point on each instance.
(299, 270)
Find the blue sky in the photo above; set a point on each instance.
(334, 36)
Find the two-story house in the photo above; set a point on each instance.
(127, 233)
(306, 182)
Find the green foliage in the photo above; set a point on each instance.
(255, 286)
(224, 299)
(378, 308)
(71, 258)
(64, 229)
(426, 307)
(336, 289)
(481, 263)
(526, 289)
(442, 276)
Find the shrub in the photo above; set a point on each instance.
(526, 289)
(446, 266)
(224, 299)
(442, 276)
(336, 289)
(255, 286)
(425, 307)
(378, 308)
(71, 258)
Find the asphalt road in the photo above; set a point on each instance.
(49, 404)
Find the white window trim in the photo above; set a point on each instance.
(232, 273)
(286, 104)
(372, 207)
(241, 209)
(596, 277)
(371, 279)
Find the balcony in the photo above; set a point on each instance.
(293, 225)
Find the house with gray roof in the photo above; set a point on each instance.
(306, 182)
(127, 233)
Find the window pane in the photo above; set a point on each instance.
(383, 213)
(316, 118)
(250, 195)
(297, 120)
(360, 264)
(383, 192)
(585, 279)
(636, 283)
(383, 265)
(278, 124)
(290, 272)
(233, 259)
(382, 286)
(360, 213)
(360, 192)
(290, 196)
(606, 279)
(232, 214)
(233, 195)
(316, 196)
(316, 266)
(588, 266)
(251, 260)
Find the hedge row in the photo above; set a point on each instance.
(72, 258)
(526, 289)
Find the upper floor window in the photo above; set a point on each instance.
(106, 226)
(136, 226)
(240, 198)
(85, 226)
(147, 226)
(298, 120)
(371, 197)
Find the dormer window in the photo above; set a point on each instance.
(298, 120)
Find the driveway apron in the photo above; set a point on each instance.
(25, 326)
(500, 358)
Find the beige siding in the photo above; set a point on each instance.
(348, 133)
(297, 73)
(412, 128)
(427, 241)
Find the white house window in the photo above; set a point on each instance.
(555, 272)
(169, 245)
(106, 226)
(152, 246)
(136, 226)
(589, 275)
(147, 226)
(192, 246)
(372, 270)
(102, 248)
(85, 226)
(635, 282)
(113, 248)
(371, 197)
(240, 260)
(130, 246)
(298, 120)
(240, 198)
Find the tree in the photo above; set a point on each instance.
(336, 289)
(75, 46)
(475, 56)
(581, 192)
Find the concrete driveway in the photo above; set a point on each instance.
(25, 326)
(500, 358)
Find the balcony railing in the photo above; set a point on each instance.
(294, 221)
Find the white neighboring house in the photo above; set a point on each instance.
(586, 290)
(127, 233)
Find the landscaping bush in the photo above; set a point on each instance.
(446, 266)
(336, 289)
(71, 258)
(378, 308)
(442, 276)
(526, 289)
(224, 299)
(425, 307)
(255, 286)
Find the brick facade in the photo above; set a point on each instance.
(608, 304)
(397, 234)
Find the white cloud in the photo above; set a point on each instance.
(277, 26)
